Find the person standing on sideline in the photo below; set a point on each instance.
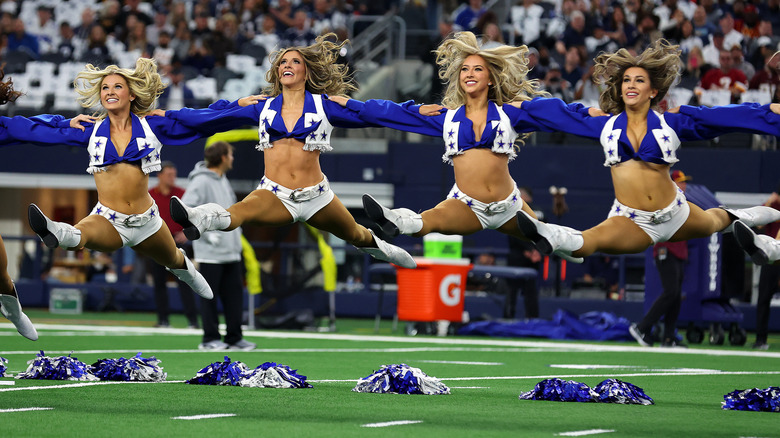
(218, 253)
(161, 193)
(670, 259)
(764, 249)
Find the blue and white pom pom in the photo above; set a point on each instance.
(273, 375)
(225, 373)
(57, 368)
(3, 361)
(761, 400)
(617, 391)
(560, 390)
(401, 379)
(135, 369)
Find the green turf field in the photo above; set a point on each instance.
(485, 376)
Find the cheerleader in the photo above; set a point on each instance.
(123, 148)
(295, 124)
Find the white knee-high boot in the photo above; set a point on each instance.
(763, 249)
(193, 278)
(389, 253)
(753, 216)
(197, 220)
(53, 234)
(11, 309)
(551, 239)
(395, 221)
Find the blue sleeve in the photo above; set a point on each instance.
(403, 117)
(344, 117)
(701, 123)
(556, 115)
(220, 116)
(52, 120)
(33, 130)
(174, 133)
(5, 137)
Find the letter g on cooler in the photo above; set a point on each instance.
(450, 289)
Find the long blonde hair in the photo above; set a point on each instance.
(323, 74)
(144, 83)
(661, 61)
(507, 66)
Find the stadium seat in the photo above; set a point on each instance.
(255, 51)
(239, 63)
(203, 88)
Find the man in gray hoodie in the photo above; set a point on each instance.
(218, 252)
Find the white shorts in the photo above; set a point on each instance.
(494, 214)
(302, 203)
(132, 228)
(660, 225)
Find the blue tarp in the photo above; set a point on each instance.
(594, 326)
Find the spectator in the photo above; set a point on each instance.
(162, 193)
(428, 57)
(491, 36)
(466, 17)
(141, 11)
(218, 253)
(599, 42)
(770, 11)
(67, 43)
(725, 77)
(159, 26)
(85, 26)
(556, 85)
(619, 29)
(687, 39)
(764, 42)
(769, 73)
(648, 31)
(282, 14)
(695, 68)
(177, 94)
(268, 37)
(739, 63)
(712, 50)
(325, 19)
(712, 11)
(535, 69)
(300, 34)
(558, 23)
(109, 16)
(223, 39)
(136, 39)
(731, 36)
(182, 41)
(96, 51)
(572, 67)
(586, 91)
(702, 28)
(23, 41)
(526, 19)
(200, 58)
(163, 53)
(45, 29)
(574, 35)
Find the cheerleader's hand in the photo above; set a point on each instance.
(157, 112)
(77, 121)
(775, 107)
(252, 100)
(596, 112)
(675, 110)
(341, 100)
(431, 109)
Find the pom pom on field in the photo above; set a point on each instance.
(135, 369)
(617, 391)
(57, 368)
(273, 375)
(755, 399)
(560, 390)
(401, 379)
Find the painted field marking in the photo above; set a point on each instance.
(469, 387)
(82, 385)
(203, 417)
(391, 423)
(4, 411)
(634, 367)
(541, 346)
(585, 432)
(7, 382)
(458, 362)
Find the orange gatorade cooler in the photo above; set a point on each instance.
(433, 291)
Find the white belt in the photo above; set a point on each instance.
(496, 207)
(298, 195)
(657, 217)
(128, 220)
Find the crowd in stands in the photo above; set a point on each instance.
(727, 45)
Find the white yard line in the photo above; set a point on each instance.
(81, 385)
(585, 432)
(459, 362)
(5, 411)
(539, 346)
(391, 423)
(203, 417)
